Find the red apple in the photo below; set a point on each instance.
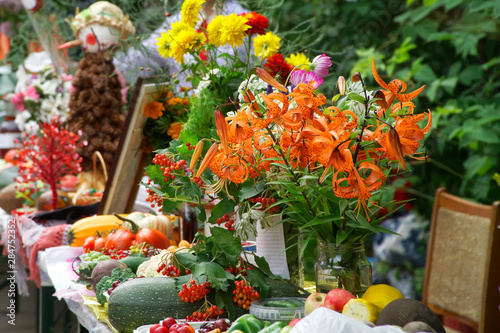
(314, 301)
(337, 298)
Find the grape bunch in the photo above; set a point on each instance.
(229, 222)
(192, 292)
(221, 324)
(210, 313)
(244, 294)
(147, 250)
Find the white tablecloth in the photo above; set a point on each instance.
(55, 264)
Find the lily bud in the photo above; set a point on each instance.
(356, 77)
(267, 78)
(221, 124)
(212, 151)
(395, 146)
(196, 154)
(341, 85)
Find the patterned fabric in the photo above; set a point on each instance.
(400, 260)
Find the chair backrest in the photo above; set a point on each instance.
(462, 273)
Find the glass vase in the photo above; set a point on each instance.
(345, 266)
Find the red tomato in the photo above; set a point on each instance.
(120, 239)
(89, 243)
(294, 321)
(152, 237)
(185, 329)
(153, 328)
(99, 244)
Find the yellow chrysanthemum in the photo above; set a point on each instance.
(185, 41)
(214, 30)
(178, 27)
(298, 60)
(165, 45)
(232, 30)
(153, 110)
(266, 45)
(190, 10)
(175, 129)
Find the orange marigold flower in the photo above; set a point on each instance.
(154, 110)
(175, 129)
(259, 23)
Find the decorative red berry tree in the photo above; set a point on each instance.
(49, 157)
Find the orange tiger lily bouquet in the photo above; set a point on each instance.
(324, 166)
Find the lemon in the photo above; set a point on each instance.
(361, 309)
(381, 294)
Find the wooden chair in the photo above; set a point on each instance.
(462, 273)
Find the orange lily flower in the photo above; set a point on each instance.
(221, 124)
(239, 128)
(394, 88)
(409, 135)
(357, 186)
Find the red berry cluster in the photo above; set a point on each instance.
(229, 222)
(244, 294)
(190, 147)
(210, 313)
(167, 165)
(170, 270)
(198, 181)
(153, 198)
(266, 202)
(194, 292)
(238, 270)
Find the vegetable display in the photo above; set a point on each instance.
(90, 226)
(247, 324)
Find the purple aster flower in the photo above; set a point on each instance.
(320, 65)
(302, 76)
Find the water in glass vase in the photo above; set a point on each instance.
(344, 266)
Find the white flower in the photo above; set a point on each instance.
(21, 118)
(256, 86)
(37, 61)
(205, 82)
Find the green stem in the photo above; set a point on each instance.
(135, 226)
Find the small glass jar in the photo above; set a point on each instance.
(345, 266)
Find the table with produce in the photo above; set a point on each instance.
(134, 274)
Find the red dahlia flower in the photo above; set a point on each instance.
(276, 65)
(258, 23)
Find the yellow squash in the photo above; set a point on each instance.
(92, 226)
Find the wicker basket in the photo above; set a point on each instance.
(87, 196)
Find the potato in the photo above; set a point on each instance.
(403, 311)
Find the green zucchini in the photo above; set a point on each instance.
(281, 304)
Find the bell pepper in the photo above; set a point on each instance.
(247, 323)
(274, 328)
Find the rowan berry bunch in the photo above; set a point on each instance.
(229, 222)
(238, 270)
(210, 313)
(192, 292)
(168, 166)
(154, 199)
(169, 270)
(198, 181)
(244, 294)
(266, 202)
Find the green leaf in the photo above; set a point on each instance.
(226, 241)
(470, 74)
(249, 189)
(449, 84)
(263, 265)
(223, 207)
(187, 260)
(257, 280)
(225, 299)
(214, 273)
(356, 97)
(425, 74)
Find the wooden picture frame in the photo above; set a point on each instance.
(129, 160)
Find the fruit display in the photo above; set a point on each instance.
(91, 226)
